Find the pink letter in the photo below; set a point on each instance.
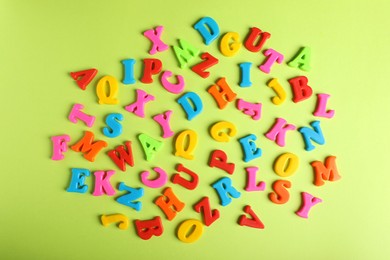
(308, 201)
(59, 146)
(76, 114)
(278, 131)
(160, 181)
(272, 56)
(163, 120)
(138, 107)
(250, 109)
(251, 180)
(173, 88)
(322, 99)
(102, 183)
(154, 36)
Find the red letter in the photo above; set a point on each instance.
(301, 90)
(209, 216)
(148, 228)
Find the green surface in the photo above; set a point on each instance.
(43, 41)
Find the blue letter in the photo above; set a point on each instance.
(112, 122)
(224, 187)
(249, 147)
(208, 28)
(129, 197)
(78, 180)
(314, 135)
(194, 109)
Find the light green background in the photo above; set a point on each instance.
(42, 41)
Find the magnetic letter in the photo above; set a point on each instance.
(321, 111)
(280, 194)
(309, 135)
(251, 184)
(300, 89)
(272, 57)
(120, 156)
(101, 91)
(150, 146)
(219, 135)
(185, 53)
(131, 195)
(208, 61)
(138, 107)
(77, 183)
(102, 183)
(208, 28)
(245, 74)
(286, 164)
(88, 147)
(158, 182)
(252, 38)
(249, 147)
(225, 190)
(115, 218)
(84, 77)
(218, 158)
(163, 121)
(222, 93)
(209, 216)
(128, 70)
(151, 67)
(154, 35)
(302, 59)
(325, 172)
(251, 109)
(192, 104)
(229, 49)
(186, 143)
(280, 92)
(253, 222)
(278, 131)
(148, 228)
(77, 114)
(308, 201)
(169, 204)
(173, 88)
(114, 128)
(59, 146)
(190, 230)
(188, 184)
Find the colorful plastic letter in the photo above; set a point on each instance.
(222, 93)
(308, 201)
(154, 35)
(253, 222)
(148, 228)
(280, 195)
(114, 128)
(128, 71)
(208, 61)
(280, 92)
(84, 77)
(251, 109)
(120, 156)
(325, 172)
(219, 135)
(209, 216)
(256, 35)
(301, 59)
(192, 104)
(278, 131)
(190, 138)
(218, 158)
(321, 111)
(225, 191)
(158, 182)
(170, 87)
(163, 120)
(272, 57)
(88, 147)
(185, 52)
(190, 230)
(149, 145)
(110, 97)
(229, 49)
(286, 164)
(59, 146)
(131, 195)
(151, 67)
(77, 114)
(208, 29)
(245, 74)
(309, 135)
(102, 183)
(77, 182)
(249, 148)
(188, 184)
(251, 184)
(138, 107)
(122, 220)
(300, 89)
(169, 204)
